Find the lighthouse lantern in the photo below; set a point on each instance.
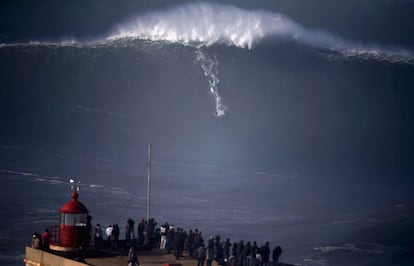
(74, 225)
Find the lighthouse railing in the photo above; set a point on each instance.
(54, 231)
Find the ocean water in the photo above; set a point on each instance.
(266, 124)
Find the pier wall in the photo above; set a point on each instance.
(37, 257)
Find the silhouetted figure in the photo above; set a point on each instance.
(240, 253)
(218, 255)
(277, 251)
(226, 249)
(98, 237)
(108, 232)
(36, 240)
(156, 238)
(209, 254)
(190, 243)
(265, 254)
(253, 254)
(140, 229)
(81, 253)
(163, 231)
(46, 240)
(170, 239)
(129, 230)
(200, 255)
(150, 232)
(132, 257)
(247, 256)
(115, 236)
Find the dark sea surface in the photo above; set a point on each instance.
(267, 123)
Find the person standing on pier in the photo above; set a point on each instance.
(98, 238)
(36, 241)
(265, 254)
(277, 251)
(140, 229)
(108, 232)
(163, 232)
(132, 257)
(129, 230)
(201, 255)
(46, 239)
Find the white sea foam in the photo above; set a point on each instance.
(10, 147)
(206, 24)
(261, 173)
(314, 262)
(47, 221)
(97, 110)
(18, 173)
(345, 221)
(50, 181)
(373, 248)
(102, 111)
(113, 190)
(209, 65)
(191, 199)
(45, 211)
(118, 190)
(268, 174)
(95, 186)
(53, 177)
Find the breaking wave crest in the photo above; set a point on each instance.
(205, 24)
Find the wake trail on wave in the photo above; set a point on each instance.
(200, 25)
(209, 65)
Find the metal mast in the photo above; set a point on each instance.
(149, 182)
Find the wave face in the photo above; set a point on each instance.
(206, 24)
(200, 25)
(315, 153)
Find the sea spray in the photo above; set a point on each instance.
(206, 24)
(209, 64)
(199, 25)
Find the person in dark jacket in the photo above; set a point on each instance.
(129, 230)
(36, 240)
(265, 254)
(277, 251)
(201, 255)
(46, 239)
(132, 257)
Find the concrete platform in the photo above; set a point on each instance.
(107, 257)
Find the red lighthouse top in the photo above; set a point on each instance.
(74, 206)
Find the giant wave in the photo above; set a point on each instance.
(200, 25)
(205, 24)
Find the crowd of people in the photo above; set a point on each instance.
(214, 249)
(177, 241)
